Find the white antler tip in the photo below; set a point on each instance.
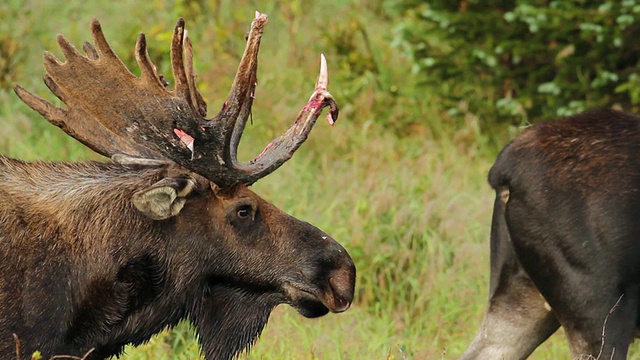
(260, 16)
(323, 77)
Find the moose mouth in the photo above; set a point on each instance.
(312, 302)
(309, 308)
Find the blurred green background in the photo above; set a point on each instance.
(429, 92)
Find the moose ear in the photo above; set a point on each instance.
(163, 199)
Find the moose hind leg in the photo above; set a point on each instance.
(605, 329)
(516, 321)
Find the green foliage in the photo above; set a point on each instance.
(530, 59)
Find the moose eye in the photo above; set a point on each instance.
(244, 212)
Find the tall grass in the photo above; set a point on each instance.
(409, 202)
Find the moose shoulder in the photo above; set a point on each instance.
(564, 239)
(97, 255)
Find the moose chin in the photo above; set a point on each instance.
(97, 255)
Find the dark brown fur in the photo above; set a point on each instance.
(565, 239)
(81, 267)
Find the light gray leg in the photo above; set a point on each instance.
(517, 320)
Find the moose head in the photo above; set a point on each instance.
(169, 230)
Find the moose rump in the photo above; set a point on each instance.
(564, 239)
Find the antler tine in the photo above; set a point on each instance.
(68, 50)
(198, 102)
(148, 71)
(53, 87)
(91, 51)
(243, 116)
(101, 45)
(282, 148)
(243, 86)
(251, 79)
(177, 62)
(42, 106)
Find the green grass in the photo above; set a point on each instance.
(398, 185)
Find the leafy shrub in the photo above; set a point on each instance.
(517, 61)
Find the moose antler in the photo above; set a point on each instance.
(112, 111)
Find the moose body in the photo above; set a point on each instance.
(97, 255)
(565, 239)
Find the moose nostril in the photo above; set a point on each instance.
(342, 292)
(341, 304)
(340, 282)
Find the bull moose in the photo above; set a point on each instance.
(565, 239)
(97, 255)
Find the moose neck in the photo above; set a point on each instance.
(75, 194)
